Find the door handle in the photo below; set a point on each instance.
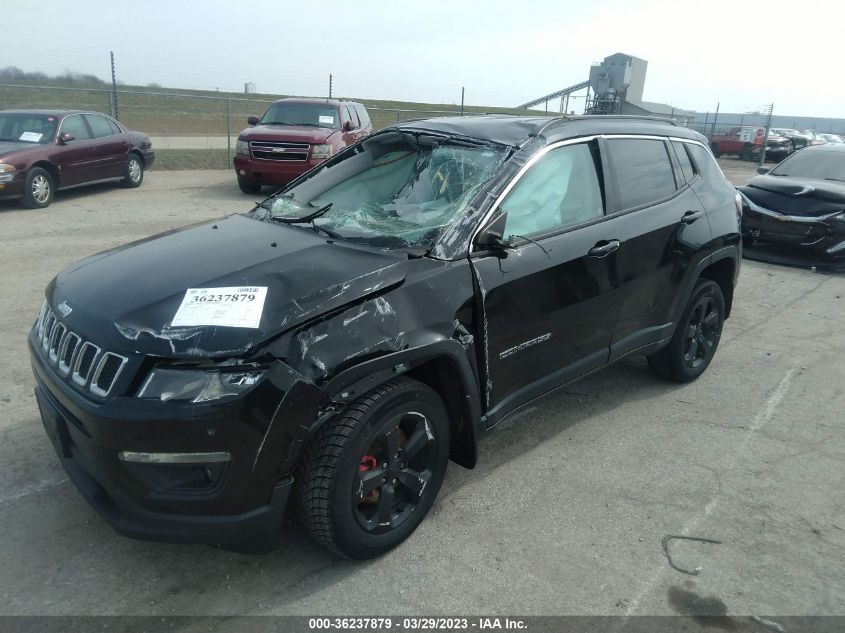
(691, 216)
(602, 250)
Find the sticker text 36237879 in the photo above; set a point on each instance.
(232, 307)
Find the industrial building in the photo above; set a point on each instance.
(615, 86)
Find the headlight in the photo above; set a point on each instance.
(840, 217)
(6, 172)
(242, 147)
(321, 152)
(197, 385)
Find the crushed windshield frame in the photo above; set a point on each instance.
(432, 180)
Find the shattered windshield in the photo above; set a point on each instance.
(396, 190)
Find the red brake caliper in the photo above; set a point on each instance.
(368, 463)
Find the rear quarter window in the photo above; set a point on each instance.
(687, 170)
(705, 164)
(641, 171)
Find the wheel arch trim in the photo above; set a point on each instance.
(357, 380)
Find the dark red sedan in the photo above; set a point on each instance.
(42, 151)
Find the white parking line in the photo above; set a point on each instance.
(763, 416)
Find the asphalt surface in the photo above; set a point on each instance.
(565, 514)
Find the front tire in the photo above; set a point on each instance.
(696, 337)
(248, 187)
(133, 172)
(372, 473)
(39, 189)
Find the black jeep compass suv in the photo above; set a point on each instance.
(352, 333)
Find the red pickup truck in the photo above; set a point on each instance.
(744, 141)
(293, 136)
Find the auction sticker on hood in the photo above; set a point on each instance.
(228, 307)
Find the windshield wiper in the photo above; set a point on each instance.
(305, 218)
(275, 123)
(836, 179)
(332, 234)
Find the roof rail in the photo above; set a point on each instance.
(627, 117)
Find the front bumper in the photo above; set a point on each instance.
(261, 171)
(778, 152)
(240, 501)
(12, 187)
(819, 234)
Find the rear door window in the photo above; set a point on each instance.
(99, 125)
(76, 126)
(641, 171)
(559, 191)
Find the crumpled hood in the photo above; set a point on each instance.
(125, 299)
(796, 196)
(287, 133)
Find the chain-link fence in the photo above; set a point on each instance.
(190, 129)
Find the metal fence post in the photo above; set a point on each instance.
(228, 133)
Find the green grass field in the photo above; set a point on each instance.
(192, 112)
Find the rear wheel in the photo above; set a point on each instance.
(248, 187)
(371, 473)
(696, 338)
(133, 172)
(38, 188)
(746, 153)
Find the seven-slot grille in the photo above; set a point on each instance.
(87, 365)
(272, 150)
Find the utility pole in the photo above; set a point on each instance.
(330, 86)
(113, 88)
(463, 92)
(715, 116)
(768, 112)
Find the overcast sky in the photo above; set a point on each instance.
(742, 54)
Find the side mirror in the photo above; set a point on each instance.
(763, 170)
(492, 238)
(347, 127)
(253, 120)
(66, 137)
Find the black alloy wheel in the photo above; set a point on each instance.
(371, 473)
(394, 473)
(702, 334)
(696, 337)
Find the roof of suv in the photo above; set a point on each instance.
(514, 130)
(56, 112)
(315, 100)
